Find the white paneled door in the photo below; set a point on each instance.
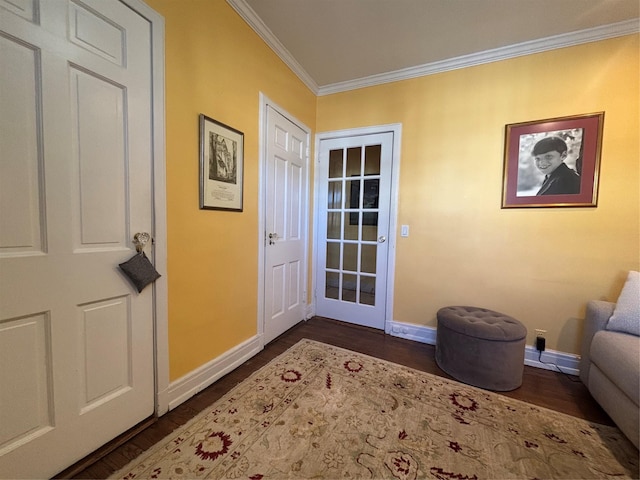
(285, 236)
(76, 340)
(354, 202)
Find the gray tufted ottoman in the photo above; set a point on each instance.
(481, 347)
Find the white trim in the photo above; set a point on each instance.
(316, 189)
(258, 26)
(203, 376)
(396, 130)
(393, 222)
(161, 311)
(416, 333)
(568, 363)
(518, 50)
(266, 102)
(603, 32)
(262, 146)
(311, 309)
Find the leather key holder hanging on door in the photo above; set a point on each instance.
(139, 268)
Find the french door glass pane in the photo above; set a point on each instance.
(333, 255)
(352, 229)
(370, 227)
(334, 199)
(368, 290)
(368, 258)
(332, 287)
(334, 225)
(354, 161)
(335, 163)
(372, 159)
(371, 193)
(353, 188)
(349, 286)
(350, 257)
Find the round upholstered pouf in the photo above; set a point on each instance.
(481, 347)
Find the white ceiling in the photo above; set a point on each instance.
(335, 42)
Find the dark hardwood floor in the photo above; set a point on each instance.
(541, 387)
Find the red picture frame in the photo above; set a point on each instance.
(533, 174)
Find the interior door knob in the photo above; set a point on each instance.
(272, 238)
(140, 239)
(382, 239)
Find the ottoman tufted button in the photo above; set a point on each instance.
(481, 323)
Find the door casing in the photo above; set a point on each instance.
(161, 310)
(396, 130)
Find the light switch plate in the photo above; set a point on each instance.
(404, 231)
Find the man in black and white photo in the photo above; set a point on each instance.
(549, 155)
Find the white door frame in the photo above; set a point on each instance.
(396, 130)
(160, 308)
(265, 102)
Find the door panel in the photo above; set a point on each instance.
(76, 339)
(24, 343)
(20, 170)
(286, 162)
(353, 226)
(104, 332)
(99, 160)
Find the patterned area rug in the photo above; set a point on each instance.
(318, 411)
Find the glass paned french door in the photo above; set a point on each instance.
(354, 223)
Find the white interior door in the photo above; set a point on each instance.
(354, 199)
(286, 232)
(76, 339)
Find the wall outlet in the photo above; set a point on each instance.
(540, 333)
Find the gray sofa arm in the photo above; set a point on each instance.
(596, 318)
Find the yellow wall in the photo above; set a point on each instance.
(538, 265)
(215, 65)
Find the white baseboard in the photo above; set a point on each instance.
(568, 363)
(417, 333)
(200, 378)
(310, 311)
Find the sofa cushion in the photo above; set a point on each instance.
(626, 316)
(620, 408)
(617, 355)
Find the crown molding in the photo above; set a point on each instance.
(256, 23)
(518, 50)
(604, 32)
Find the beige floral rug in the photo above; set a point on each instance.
(318, 411)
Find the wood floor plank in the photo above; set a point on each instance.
(540, 387)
